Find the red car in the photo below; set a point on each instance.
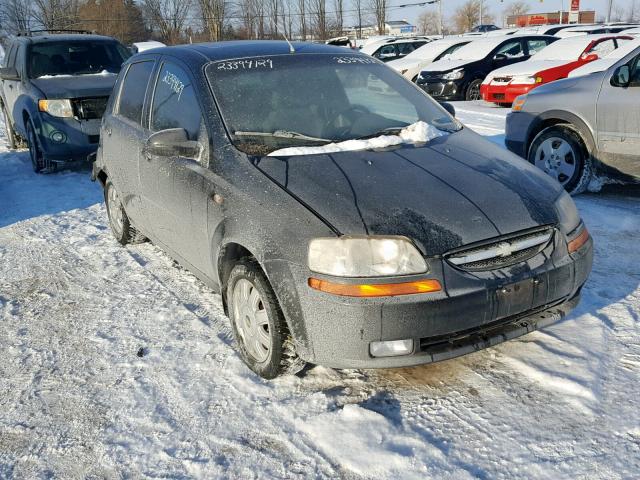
(551, 63)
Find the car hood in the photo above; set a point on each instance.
(555, 86)
(595, 66)
(76, 86)
(527, 68)
(446, 65)
(451, 192)
(403, 63)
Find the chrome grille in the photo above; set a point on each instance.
(502, 252)
(501, 79)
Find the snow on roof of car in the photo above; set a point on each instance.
(571, 47)
(435, 48)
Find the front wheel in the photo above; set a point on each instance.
(38, 162)
(473, 90)
(259, 326)
(560, 152)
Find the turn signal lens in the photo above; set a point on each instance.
(375, 289)
(518, 103)
(538, 79)
(579, 241)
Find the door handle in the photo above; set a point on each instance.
(108, 131)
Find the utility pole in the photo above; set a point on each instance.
(441, 26)
(481, 2)
(609, 11)
(562, 11)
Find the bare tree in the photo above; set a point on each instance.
(55, 14)
(274, 16)
(357, 6)
(319, 18)
(633, 14)
(117, 18)
(467, 16)
(379, 8)
(168, 17)
(429, 23)
(302, 14)
(213, 18)
(339, 8)
(16, 15)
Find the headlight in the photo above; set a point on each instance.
(518, 103)
(568, 216)
(524, 80)
(455, 75)
(371, 256)
(56, 108)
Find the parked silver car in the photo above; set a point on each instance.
(577, 127)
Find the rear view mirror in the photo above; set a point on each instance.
(621, 76)
(449, 108)
(172, 142)
(9, 73)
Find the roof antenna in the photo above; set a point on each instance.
(291, 49)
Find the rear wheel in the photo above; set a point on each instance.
(259, 326)
(560, 152)
(119, 222)
(473, 90)
(38, 161)
(12, 140)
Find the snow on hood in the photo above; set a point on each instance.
(103, 73)
(446, 65)
(419, 132)
(524, 68)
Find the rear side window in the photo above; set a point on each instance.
(133, 90)
(174, 102)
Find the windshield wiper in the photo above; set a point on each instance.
(282, 134)
(384, 131)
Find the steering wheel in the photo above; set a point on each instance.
(342, 123)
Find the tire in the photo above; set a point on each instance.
(473, 90)
(254, 308)
(561, 153)
(12, 139)
(119, 222)
(38, 161)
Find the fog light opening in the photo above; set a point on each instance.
(58, 136)
(393, 348)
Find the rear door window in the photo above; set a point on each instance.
(132, 92)
(603, 48)
(174, 102)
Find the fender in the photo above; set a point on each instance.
(578, 123)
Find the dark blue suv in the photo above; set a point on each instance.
(53, 91)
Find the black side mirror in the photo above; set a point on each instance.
(621, 76)
(172, 142)
(9, 73)
(500, 57)
(449, 108)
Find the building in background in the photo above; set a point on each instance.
(399, 28)
(551, 18)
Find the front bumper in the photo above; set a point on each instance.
(471, 313)
(503, 93)
(67, 139)
(443, 90)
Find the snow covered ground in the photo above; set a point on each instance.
(76, 400)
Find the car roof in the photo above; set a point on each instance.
(498, 39)
(216, 51)
(64, 37)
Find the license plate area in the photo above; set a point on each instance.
(516, 298)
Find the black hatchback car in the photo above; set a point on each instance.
(459, 75)
(343, 226)
(53, 91)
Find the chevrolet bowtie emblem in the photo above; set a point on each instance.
(504, 249)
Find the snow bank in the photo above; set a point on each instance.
(418, 132)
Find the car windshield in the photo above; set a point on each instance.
(281, 101)
(475, 50)
(75, 58)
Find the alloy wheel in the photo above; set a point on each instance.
(115, 210)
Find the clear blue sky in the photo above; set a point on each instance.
(495, 7)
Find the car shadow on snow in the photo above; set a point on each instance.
(25, 194)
